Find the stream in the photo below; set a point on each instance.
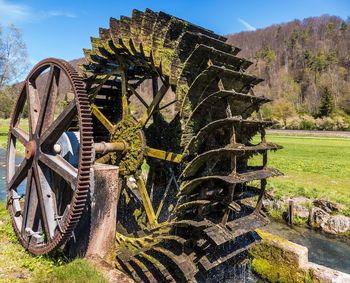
(2, 174)
(21, 187)
(323, 249)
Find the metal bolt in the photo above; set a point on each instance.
(57, 148)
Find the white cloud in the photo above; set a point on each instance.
(61, 14)
(14, 13)
(247, 25)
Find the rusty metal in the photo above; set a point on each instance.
(30, 149)
(55, 229)
(107, 147)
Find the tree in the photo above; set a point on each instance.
(282, 110)
(343, 26)
(7, 97)
(327, 103)
(13, 55)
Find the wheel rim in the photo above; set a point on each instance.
(56, 190)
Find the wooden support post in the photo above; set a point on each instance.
(95, 234)
(105, 195)
(94, 237)
(290, 212)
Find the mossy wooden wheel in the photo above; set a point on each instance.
(191, 199)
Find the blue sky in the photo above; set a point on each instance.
(62, 28)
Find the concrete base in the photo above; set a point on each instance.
(279, 260)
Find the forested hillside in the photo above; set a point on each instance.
(306, 67)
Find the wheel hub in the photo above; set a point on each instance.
(129, 131)
(30, 149)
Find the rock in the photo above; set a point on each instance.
(327, 205)
(300, 200)
(325, 274)
(278, 205)
(301, 211)
(273, 204)
(318, 216)
(337, 224)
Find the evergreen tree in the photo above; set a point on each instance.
(327, 103)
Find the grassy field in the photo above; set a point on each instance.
(4, 127)
(315, 167)
(17, 265)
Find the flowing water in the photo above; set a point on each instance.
(2, 175)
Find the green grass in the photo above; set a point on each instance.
(4, 128)
(17, 265)
(315, 167)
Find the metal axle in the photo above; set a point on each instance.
(106, 147)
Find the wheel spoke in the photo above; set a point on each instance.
(62, 122)
(163, 155)
(20, 173)
(52, 98)
(154, 105)
(167, 188)
(39, 190)
(168, 104)
(139, 97)
(48, 100)
(102, 118)
(62, 167)
(30, 203)
(20, 135)
(146, 201)
(34, 106)
(104, 159)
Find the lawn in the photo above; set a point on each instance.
(17, 265)
(4, 127)
(315, 167)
